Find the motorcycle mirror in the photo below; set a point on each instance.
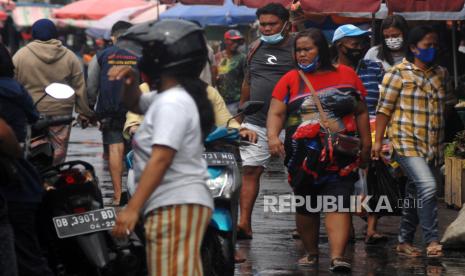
(251, 107)
(59, 91)
(248, 108)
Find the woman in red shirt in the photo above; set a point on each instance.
(314, 171)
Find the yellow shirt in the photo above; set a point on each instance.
(415, 101)
(222, 114)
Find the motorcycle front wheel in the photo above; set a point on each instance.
(217, 253)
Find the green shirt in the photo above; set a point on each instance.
(230, 76)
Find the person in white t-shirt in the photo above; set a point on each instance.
(170, 172)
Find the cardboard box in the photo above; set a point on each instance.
(454, 188)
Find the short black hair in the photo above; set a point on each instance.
(394, 21)
(7, 68)
(119, 28)
(321, 43)
(274, 9)
(416, 35)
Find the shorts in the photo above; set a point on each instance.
(112, 131)
(332, 185)
(257, 155)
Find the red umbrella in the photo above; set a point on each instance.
(337, 6)
(194, 2)
(261, 3)
(425, 5)
(95, 9)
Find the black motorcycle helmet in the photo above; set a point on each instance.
(176, 47)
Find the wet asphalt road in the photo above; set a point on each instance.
(273, 251)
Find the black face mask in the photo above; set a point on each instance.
(354, 55)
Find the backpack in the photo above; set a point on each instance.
(109, 97)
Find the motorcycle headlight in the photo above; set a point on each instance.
(221, 182)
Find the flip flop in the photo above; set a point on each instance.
(408, 251)
(375, 239)
(309, 260)
(434, 251)
(242, 235)
(340, 265)
(238, 259)
(295, 235)
(115, 202)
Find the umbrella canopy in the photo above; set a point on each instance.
(410, 16)
(194, 2)
(337, 6)
(261, 3)
(425, 5)
(7, 5)
(148, 14)
(208, 15)
(95, 9)
(24, 15)
(104, 24)
(3, 15)
(74, 23)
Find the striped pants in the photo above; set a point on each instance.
(174, 236)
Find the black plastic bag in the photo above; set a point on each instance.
(382, 185)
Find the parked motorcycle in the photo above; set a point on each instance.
(222, 156)
(74, 228)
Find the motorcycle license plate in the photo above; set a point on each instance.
(219, 158)
(85, 223)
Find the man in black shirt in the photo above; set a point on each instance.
(267, 61)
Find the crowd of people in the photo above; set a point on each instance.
(313, 91)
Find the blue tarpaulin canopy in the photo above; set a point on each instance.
(212, 15)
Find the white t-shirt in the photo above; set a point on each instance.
(172, 120)
(372, 54)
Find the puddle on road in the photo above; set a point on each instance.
(273, 251)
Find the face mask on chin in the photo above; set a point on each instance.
(273, 39)
(310, 68)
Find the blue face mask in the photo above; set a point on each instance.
(426, 55)
(273, 39)
(310, 68)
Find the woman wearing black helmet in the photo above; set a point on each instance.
(169, 169)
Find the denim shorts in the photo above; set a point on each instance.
(329, 185)
(112, 131)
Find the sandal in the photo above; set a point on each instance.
(242, 235)
(340, 265)
(115, 202)
(295, 235)
(309, 260)
(434, 251)
(375, 239)
(408, 250)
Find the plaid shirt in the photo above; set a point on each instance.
(415, 101)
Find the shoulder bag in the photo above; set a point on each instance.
(342, 144)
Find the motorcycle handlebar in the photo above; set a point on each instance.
(52, 121)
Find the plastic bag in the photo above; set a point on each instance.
(454, 237)
(360, 187)
(385, 190)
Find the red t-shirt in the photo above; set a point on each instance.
(338, 91)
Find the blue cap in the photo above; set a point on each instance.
(348, 30)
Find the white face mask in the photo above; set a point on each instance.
(462, 49)
(394, 43)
